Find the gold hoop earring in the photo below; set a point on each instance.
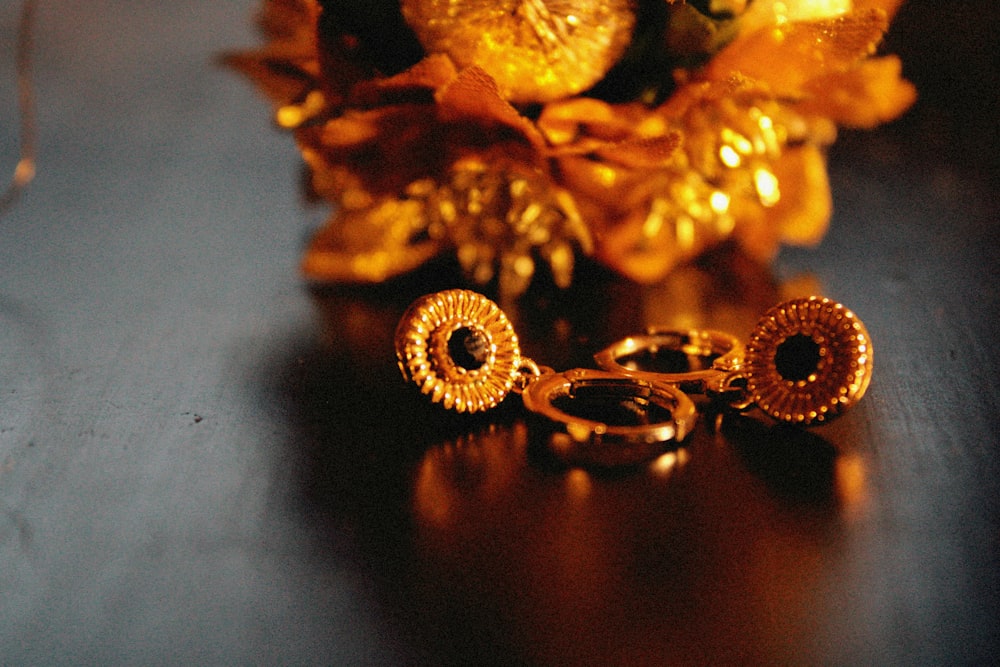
(460, 349)
(807, 361)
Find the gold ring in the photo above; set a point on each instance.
(660, 415)
(692, 360)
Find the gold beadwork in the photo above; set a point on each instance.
(460, 349)
(808, 360)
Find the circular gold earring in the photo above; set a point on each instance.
(807, 361)
(461, 350)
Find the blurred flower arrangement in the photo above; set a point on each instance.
(514, 133)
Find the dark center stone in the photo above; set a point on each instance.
(469, 348)
(797, 357)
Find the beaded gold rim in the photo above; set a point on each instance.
(808, 360)
(460, 349)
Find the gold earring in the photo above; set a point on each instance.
(807, 361)
(461, 350)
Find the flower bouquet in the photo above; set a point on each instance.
(521, 134)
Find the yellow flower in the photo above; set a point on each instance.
(639, 133)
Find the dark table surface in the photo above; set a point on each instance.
(203, 461)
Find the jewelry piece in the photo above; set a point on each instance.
(461, 350)
(695, 361)
(807, 361)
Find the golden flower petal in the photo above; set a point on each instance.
(371, 244)
(873, 92)
(474, 96)
(888, 6)
(286, 67)
(429, 74)
(536, 50)
(802, 215)
(787, 57)
(380, 150)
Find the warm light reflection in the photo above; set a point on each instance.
(460, 478)
(292, 116)
(782, 12)
(605, 175)
(578, 484)
(719, 201)
(730, 157)
(685, 232)
(667, 463)
(654, 221)
(851, 483)
(432, 503)
(767, 187)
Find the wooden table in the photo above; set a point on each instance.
(202, 461)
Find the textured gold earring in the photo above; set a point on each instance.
(461, 350)
(807, 361)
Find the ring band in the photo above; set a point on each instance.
(710, 353)
(662, 413)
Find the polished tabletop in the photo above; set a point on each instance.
(203, 460)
